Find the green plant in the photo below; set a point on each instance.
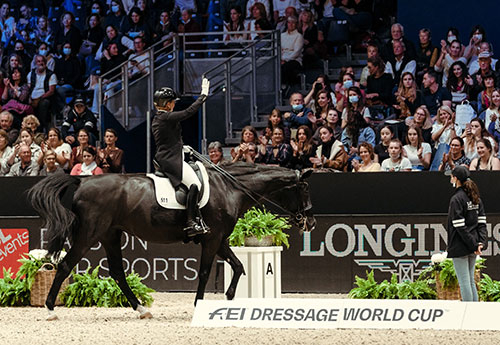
(489, 289)
(90, 290)
(369, 288)
(13, 291)
(260, 223)
(445, 272)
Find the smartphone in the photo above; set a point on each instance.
(467, 126)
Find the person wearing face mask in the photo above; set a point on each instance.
(68, 32)
(165, 29)
(44, 50)
(474, 61)
(299, 114)
(477, 36)
(355, 102)
(116, 16)
(449, 55)
(467, 235)
(68, 72)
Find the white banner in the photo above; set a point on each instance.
(346, 313)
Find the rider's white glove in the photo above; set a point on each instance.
(205, 86)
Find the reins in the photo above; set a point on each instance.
(298, 218)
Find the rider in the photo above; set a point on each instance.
(169, 153)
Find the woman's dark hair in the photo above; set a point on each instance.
(389, 128)
(481, 31)
(83, 130)
(262, 10)
(420, 138)
(462, 143)
(98, 17)
(486, 143)
(57, 131)
(112, 131)
(453, 30)
(263, 23)
(249, 129)
(70, 14)
(239, 25)
(328, 96)
(277, 112)
(329, 129)
(90, 149)
(489, 75)
(308, 144)
(377, 62)
(355, 123)
(30, 132)
(22, 81)
(470, 188)
(343, 72)
(137, 11)
(361, 99)
(452, 82)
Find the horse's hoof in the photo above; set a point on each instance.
(52, 316)
(144, 313)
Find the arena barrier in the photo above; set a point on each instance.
(388, 222)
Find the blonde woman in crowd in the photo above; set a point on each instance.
(421, 119)
(31, 122)
(443, 130)
(368, 163)
(408, 98)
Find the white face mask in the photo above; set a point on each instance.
(451, 38)
(478, 37)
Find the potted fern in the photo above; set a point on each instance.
(259, 227)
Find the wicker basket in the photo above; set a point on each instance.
(453, 293)
(42, 283)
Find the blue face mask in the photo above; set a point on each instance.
(133, 34)
(347, 84)
(67, 51)
(353, 99)
(297, 107)
(95, 11)
(115, 9)
(42, 52)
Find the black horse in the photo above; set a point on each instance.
(106, 205)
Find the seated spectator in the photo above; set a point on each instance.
(136, 25)
(68, 72)
(165, 29)
(378, 89)
(408, 97)
(92, 36)
(486, 159)
(31, 122)
(117, 16)
(396, 161)
(485, 71)
(14, 61)
(250, 6)
(459, 83)
(49, 164)
(227, 5)
(235, 24)
(67, 32)
(446, 59)
(138, 62)
(97, 8)
(323, 103)
(23, 54)
(313, 49)
(55, 143)
(357, 131)
(474, 62)
(43, 32)
(26, 165)
(334, 122)
(367, 156)
(422, 120)
(357, 14)
(484, 96)
(330, 153)
(188, 25)
(43, 83)
(451, 35)
(492, 115)
(339, 86)
(427, 54)
(476, 37)
(77, 151)
(7, 22)
(111, 60)
(26, 20)
(299, 115)
(15, 96)
(240, 152)
(321, 83)
(303, 149)
(275, 120)
(110, 158)
(397, 34)
(89, 166)
(5, 153)
(474, 132)
(276, 153)
(341, 94)
(455, 157)
(401, 62)
(259, 13)
(434, 95)
(292, 44)
(124, 44)
(355, 103)
(27, 137)
(372, 51)
(44, 50)
(443, 130)
(416, 150)
(215, 153)
(279, 11)
(80, 117)
(6, 122)
(382, 148)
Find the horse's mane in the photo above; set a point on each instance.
(248, 171)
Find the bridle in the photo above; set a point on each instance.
(298, 218)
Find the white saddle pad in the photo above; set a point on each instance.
(165, 193)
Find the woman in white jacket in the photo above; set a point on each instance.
(292, 44)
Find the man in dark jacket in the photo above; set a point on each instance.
(79, 117)
(169, 148)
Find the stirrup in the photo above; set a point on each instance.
(192, 229)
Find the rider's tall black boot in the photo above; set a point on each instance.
(194, 224)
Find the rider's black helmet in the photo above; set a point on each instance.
(164, 95)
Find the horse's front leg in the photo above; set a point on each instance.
(228, 255)
(208, 251)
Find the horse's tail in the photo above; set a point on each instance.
(45, 198)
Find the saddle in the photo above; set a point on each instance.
(168, 197)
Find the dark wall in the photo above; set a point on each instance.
(439, 15)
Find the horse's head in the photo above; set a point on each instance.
(304, 217)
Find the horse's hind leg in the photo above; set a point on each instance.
(228, 255)
(114, 254)
(207, 258)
